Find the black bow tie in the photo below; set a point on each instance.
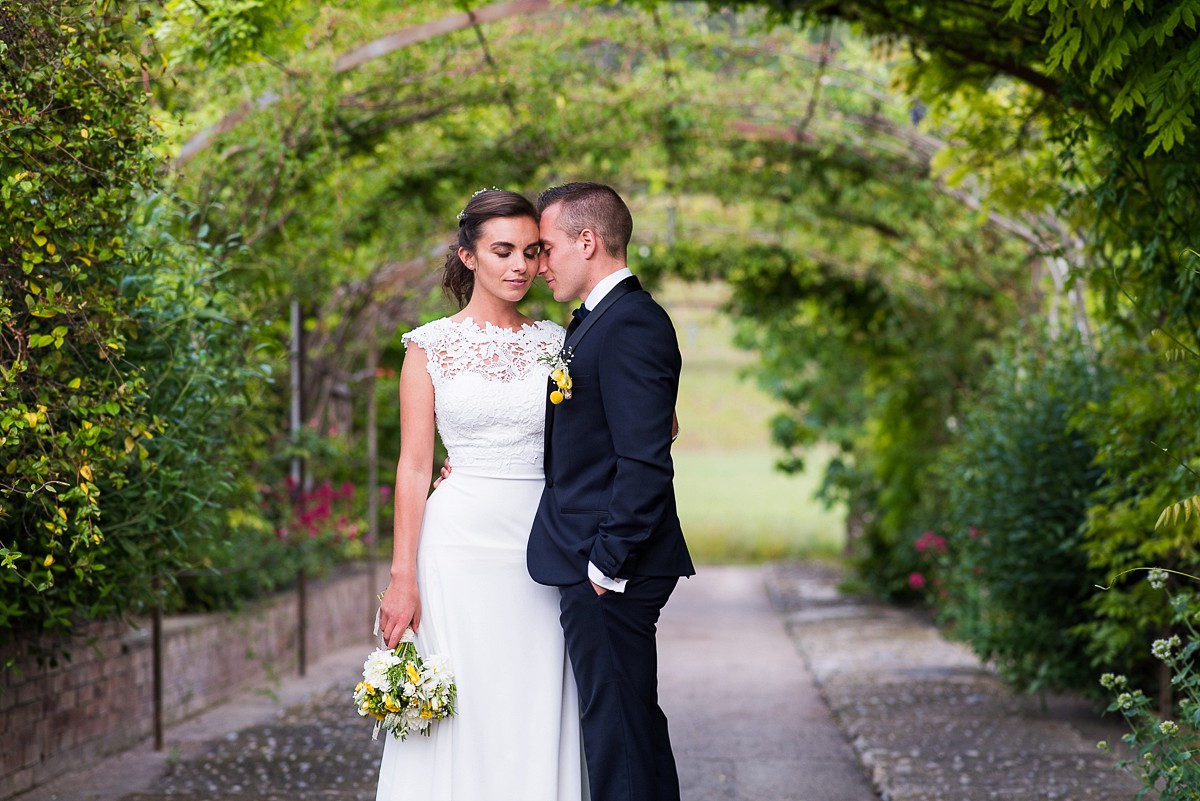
(581, 313)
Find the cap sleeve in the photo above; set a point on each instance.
(427, 337)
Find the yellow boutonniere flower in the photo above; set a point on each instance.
(560, 374)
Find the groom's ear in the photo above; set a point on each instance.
(588, 242)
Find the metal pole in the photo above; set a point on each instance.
(297, 473)
(372, 534)
(156, 629)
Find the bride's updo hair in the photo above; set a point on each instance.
(486, 204)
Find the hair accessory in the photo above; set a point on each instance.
(462, 214)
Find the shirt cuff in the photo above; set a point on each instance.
(614, 584)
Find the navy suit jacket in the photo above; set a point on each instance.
(609, 497)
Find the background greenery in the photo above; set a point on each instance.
(954, 242)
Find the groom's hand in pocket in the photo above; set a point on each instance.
(599, 590)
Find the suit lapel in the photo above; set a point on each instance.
(630, 284)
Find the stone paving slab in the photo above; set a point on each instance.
(927, 721)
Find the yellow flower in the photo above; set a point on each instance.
(558, 376)
(390, 704)
(556, 397)
(413, 675)
(370, 689)
(378, 716)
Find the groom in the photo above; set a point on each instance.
(606, 532)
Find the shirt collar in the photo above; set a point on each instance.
(605, 286)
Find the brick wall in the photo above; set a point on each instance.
(102, 701)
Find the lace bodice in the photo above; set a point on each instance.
(489, 391)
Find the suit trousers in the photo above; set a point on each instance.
(611, 641)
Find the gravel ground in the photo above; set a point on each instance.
(317, 750)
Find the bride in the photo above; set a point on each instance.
(458, 574)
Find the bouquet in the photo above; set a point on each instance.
(404, 692)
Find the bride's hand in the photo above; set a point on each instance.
(399, 609)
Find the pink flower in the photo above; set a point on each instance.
(385, 492)
(930, 541)
(916, 581)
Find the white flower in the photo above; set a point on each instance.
(375, 669)
(1157, 578)
(1162, 649)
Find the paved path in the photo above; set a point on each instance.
(747, 720)
(821, 698)
(927, 721)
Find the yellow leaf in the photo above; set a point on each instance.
(129, 444)
(1162, 518)
(75, 383)
(84, 133)
(49, 560)
(86, 472)
(31, 418)
(51, 248)
(40, 240)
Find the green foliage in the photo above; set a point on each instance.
(1163, 741)
(74, 158)
(205, 389)
(127, 371)
(1017, 478)
(1145, 438)
(221, 33)
(879, 367)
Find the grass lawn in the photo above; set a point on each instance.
(734, 505)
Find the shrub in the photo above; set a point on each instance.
(1017, 480)
(75, 159)
(1145, 443)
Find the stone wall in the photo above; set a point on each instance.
(101, 701)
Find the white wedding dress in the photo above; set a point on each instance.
(516, 736)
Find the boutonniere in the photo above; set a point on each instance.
(560, 374)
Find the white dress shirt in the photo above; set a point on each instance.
(593, 300)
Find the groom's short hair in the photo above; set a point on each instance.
(595, 206)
